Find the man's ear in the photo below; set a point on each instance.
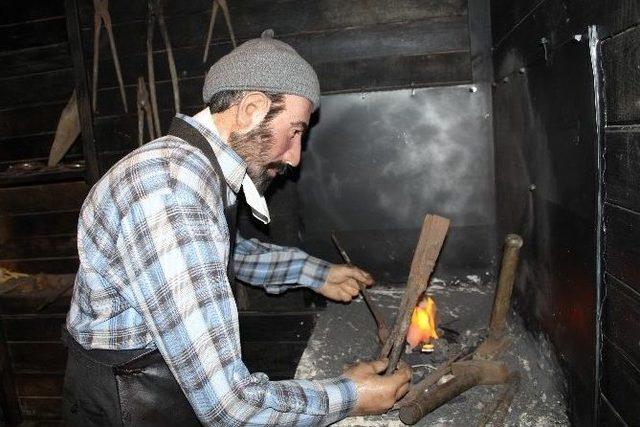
(252, 109)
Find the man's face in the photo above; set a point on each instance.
(275, 143)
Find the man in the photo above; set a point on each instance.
(153, 327)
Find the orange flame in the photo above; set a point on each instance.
(423, 326)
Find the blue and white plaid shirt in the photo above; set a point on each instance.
(153, 245)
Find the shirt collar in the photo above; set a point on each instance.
(203, 121)
(232, 165)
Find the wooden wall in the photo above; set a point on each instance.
(579, 248)
(36, 78)
(620, 386)
(354, 46)
(38, 211)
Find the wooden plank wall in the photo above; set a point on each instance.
(354, 46)
(518, 28)
(620, 386)
(37, 221)
(36, 79)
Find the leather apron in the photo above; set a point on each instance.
(135, 387)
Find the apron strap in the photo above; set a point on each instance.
(183, 130)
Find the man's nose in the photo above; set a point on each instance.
(292, 156)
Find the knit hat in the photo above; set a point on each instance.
(263, 64)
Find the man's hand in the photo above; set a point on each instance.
(344, 282)
(377, 393)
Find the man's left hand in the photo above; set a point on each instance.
(344, 282)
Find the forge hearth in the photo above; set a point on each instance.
(347, 333)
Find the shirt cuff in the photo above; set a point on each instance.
(314, 272)
(343, 396)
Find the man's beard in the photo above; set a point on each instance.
(253, 147)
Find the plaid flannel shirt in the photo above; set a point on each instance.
(153, 246)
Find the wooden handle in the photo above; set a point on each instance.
(502, 300)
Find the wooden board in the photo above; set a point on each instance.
(620, 382)
(621, 317)
(622, 168)
(621, 55)
(622, 251)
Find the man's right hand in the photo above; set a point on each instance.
(378, 393)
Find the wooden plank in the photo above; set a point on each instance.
(43, 265)
(395, 72)
(37, 225)
(37, 60)
(39, 385)
(394, 39)
(622, 251)
(622, 168)
(118, 135)
(43, 198)
(110, 103)
(48, 357)
(620, 382)
(41, 120)
(36, 327)
(621, 315)
(8, 394)
(52, 87)
(92, 167)
(250, 18)
(620, 57)
(607, 415)
(33, 34)
(41, 407)
(34, 147)
(60, 173)
(17, 11)
(39, 247)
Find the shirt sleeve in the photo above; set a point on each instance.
(171, 248)
(277, 268)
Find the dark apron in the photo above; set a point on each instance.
(135, 387)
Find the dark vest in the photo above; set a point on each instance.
(135, 387)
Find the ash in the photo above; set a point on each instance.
(346, 333)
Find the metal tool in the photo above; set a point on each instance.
(383, 330)
(155, 10)
(101, 15)
(227, 17)
(67, 131)
(144, 112)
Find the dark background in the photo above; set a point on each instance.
(412, 94)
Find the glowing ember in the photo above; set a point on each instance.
(427, 348)
(423, 326)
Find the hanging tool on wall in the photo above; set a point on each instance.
(67, 131)
(227, 17)
(101, 15)
(156, 11)
(144, 112)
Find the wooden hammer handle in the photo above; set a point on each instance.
(502, 299)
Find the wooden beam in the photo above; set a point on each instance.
(82, 90)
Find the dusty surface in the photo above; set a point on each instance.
(347, 333)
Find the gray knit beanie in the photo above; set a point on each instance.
(263, 64)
